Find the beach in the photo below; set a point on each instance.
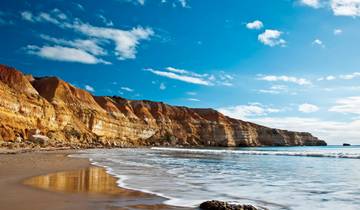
(52, 180)
(180, 178)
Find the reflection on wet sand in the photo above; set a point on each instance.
(89, 180)
(95, 180)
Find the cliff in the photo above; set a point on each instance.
(49, 111)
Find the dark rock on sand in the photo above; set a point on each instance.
(220, 205)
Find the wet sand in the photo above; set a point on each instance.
(51, 180)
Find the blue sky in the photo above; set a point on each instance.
(291, 64)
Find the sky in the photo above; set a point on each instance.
(289, 64)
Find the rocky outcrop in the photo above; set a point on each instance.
(220, 205)
(71, 116)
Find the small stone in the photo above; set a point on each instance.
(220, 205)
(18, 139)
(39, 139)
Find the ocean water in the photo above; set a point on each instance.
(300, 178)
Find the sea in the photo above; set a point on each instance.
(294, 178)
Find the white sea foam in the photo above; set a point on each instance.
(315, 153)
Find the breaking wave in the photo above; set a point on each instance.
(316, 153)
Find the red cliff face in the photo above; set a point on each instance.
(71, 116)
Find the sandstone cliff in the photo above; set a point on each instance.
(68, 116)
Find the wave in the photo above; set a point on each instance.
(168, 200)
(314, 153)
(181, 180)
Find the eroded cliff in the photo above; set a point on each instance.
(69, 116)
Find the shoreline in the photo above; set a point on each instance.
(17, 166)
(45, 168)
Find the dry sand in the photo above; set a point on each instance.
(53, 181)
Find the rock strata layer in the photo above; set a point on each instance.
(51, 111)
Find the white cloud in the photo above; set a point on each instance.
(79, 6)
(60, 53)
(193, 99)
(180, 71)
(227, 76)
(186, 72)
(183, 3)
(275, 89)
(221, 78)
(273, 78)
(271, 38)
(333, 132)
(268, 91)
(279, 87)
(350, 76)
(141, 2)
(224, 79)
(191, 93)
(105, 20)
(350, 105)
(338, 7)
(308, 108)
(318, 42)
(89, 88)
(127, 89)
(174, 3)
(162, 86)
(338, 31)
(257, 24)
(44, 17)
(26, 15)
(89, 45)
(346, 7)
(311, 3)
(181, 77)
(60, 15)
(328, 78)
(126, 41)
(245, 111)
(342, 89)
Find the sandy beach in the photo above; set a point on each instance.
(51, 180)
